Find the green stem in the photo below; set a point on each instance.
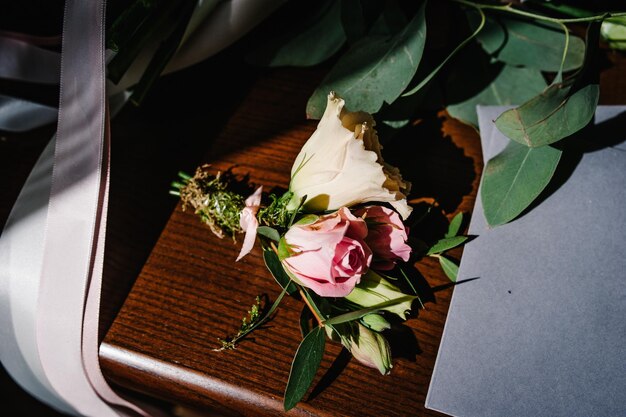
(508, 9)
(559, 75)
(457, 49)
(259, 322)
(320, 321)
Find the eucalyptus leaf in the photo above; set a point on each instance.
(513, 179)
(455, 225)
(512, 85)
(531, 44)
(449, 268)
(551, 116)
(320, 39)
(446, 244)
(268, 232)
(275, 267)
(562, 109)
(375, 70)
(304, 366)
(390, 21)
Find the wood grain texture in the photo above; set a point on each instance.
(191, 292)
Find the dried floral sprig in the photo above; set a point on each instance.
(212, 199)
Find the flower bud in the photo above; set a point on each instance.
(376, 322)
(371, 349)
(341, 165)
(374, 290)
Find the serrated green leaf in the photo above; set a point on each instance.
(275, 267)
(321, 38)
(304, 366)
(551, 116)
(455, 225)
(375, 70)
(449, 268)
(531, 44)
(511, 86)
(513, 179)
(268, 232)
(357, 314)
(446, 244)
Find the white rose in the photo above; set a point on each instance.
(341, 165)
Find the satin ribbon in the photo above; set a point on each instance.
(51, 250)
(25, 62)
(18, 115)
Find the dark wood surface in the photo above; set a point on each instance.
(191, 292)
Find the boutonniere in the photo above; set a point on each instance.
(336, 239)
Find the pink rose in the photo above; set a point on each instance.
(387, 236)
(330, 253)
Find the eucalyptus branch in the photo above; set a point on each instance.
(509, 9)
(559, 75)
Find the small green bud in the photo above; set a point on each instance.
(374, 289)
(376, 322)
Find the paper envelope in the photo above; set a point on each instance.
(541, 331)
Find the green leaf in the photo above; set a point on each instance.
(455, 225)
(307, 219)
(283, 249)
(511, 86)
(390, 21)
(375, 322)
(304, 367)
(531, 44)
(449, 268)
(551, 116)
(161, 15)
(323, 35)
(268, 232)
(278, 272)
(355, 315)
(446, 244)
(562, 109)
(514, 178)
(164, 53)
(456, 50)
(375, 70)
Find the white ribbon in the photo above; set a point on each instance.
(18, 115)
(52, 246)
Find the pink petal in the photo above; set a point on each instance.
(249, 222)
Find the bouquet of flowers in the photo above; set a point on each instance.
(336, 239)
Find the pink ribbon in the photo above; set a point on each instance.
(249, 222)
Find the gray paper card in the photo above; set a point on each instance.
(542, 330)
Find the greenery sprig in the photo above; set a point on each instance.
(522, 54)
